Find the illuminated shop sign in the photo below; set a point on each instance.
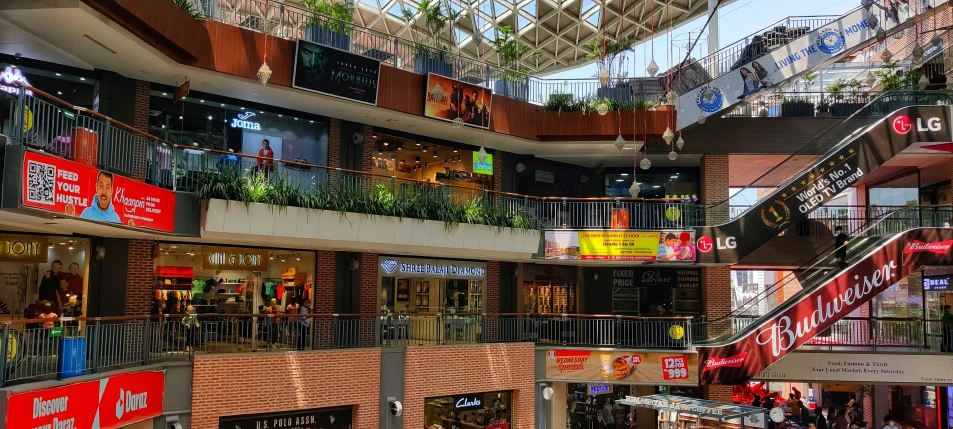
(11, 79)
(23, 248)
(242, 122)
(432, 268)
(234, 258)
(937, 283)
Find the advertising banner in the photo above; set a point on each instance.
(73, 189)
(627, 367)
(862, 368)
(814, 49)
(106, 403)
(331, 418)
(615, 245)
(448, 99)
(762, 344)
(337, 73)
(815, 186)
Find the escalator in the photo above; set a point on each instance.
(739, 347)
(735, 74)
(797, 191)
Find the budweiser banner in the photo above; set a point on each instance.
(842, 169)
(628, 367)
(762, 344)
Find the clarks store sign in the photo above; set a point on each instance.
(234, 258)
(391, 266)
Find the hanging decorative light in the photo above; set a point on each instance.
(634, 189)
(458, 122)
(886, 55)
(604, 77)
(917, 54)
(668, 135)
(867, 4)
(923, 82)
(672, 155)
(645, 163)
(680, 142)
(872, 21)
(652, 68)
(619, 143)
(602, 108)
(881, 35)
(936, 39)
(870, 80)
(671, 96)
(702, 118)
(709, 94)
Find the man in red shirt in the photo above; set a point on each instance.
(266, 156)
(75, 281)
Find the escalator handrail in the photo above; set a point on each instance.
(819, 258)
(833, 149)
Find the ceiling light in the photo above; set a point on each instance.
(163, 126)
(242, 108)
(59, 92)
(279, 115)
(297, 258)
(210, 117)
(675, 177)
(82, 78)
(261, 112)
(386, 144)
(282, 260)
(624, 174)
(619, 180)
(62, 244)
(271, 257)
(418, 144)
(201, 101)
(163, 94)
(454, 151)
(173, 247)
(296, 119)
(374, 136)
(180, 117)
(312, 121)
(59, 74)
(71, 248)
(399, 149)
(656, 186)
(222, 104)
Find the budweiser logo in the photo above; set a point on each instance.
(800, 322)
(940, 247)
(726, 362)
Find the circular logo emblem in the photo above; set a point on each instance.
(677, 332)
(710, 104)
(902, 124)
(776, 215)
(705, 244)
(831, 41)
(14, 349)
(673, 213)
(27, 119)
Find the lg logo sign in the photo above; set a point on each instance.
(902, 124)
(705, 244)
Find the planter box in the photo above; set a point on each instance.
(845, 109)
(894, 105)
(518, 90)
(797, 109)
(328, 37)
(424, 65)
(620, 94)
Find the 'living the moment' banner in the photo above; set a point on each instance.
(615, 245)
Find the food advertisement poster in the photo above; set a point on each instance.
(629, 367)
(448, 99)
(73, 189)
(614, 245)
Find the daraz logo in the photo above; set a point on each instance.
(129, 402)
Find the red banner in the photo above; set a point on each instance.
(73, 189)
(125, 399)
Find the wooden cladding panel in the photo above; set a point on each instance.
(401, 91)
(240, 52)
(514, 117)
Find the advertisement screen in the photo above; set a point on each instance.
(614, 245)
(448, 99)
(73, 189)
(337, 73)
(628, 367)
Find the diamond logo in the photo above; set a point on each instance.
(389, 265)
(120, 406)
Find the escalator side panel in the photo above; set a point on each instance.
(766, 341)
(819, 47)
(834, 173)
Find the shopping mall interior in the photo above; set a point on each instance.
(486, 214)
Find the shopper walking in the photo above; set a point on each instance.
(840, 421)
(607, 419)
(946, 330)
(819, 421)
(304, 323)
(840, 246)
(190, 325)
(795, 407)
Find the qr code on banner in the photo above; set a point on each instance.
(40, 182)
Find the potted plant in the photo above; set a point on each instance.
(510, 51)
(796, 107)
(432, 58)
(331, 23)
(891, 78)
(809, 79)
(613, 83)
(843, 104)
(824, 107)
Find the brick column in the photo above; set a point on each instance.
(322, 297)
(334, 143)
(498, 170)
(492, 300)
(140, 278)
(141, 123)
(367, 152)
(714, 188)
(716, 281)
(369, 303)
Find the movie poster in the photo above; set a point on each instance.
(448, 99)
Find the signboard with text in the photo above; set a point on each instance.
(448, 99)
(337, 73)
(24, 248)
(629, 367)
(107, 403)
(415, 267)
(615, 245)
(234, 258)
(77, 190)
(863, 368)
(331, 418)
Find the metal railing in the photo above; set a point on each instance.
(74, 346)
(875, 334)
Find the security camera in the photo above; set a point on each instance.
(396, 407)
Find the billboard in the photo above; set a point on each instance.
(337, 73)
(448, 99)
(628, 367)
(616, 245)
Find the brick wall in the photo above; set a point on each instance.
(140, 278)
(322, 300)
(492, 297)
(367, 149)
(716, 290)
(369, 287)
(334, 143)
(436, 371)
(141, 123)
(714, 187)
(498, 170)
(223, 385)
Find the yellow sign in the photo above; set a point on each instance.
(673, 213)
(234, 258)
(677, 332)
(619, 246)
(23, 248)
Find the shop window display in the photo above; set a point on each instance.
(40, 269)
(549, 289)
(419, 160)
(230, 280)
(491, 410)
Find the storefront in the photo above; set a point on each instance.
(549, 289)
(420, 159)
(681, 183)
(430, 286)
(487, 410)
(333, 418)
(36, 269)
(643, 291)
(230, 280)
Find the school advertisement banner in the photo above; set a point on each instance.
(78, 190)
(628, 367)
(448, 99)
(615, 245)
(814, 49)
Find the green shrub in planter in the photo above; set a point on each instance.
(796, 107)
